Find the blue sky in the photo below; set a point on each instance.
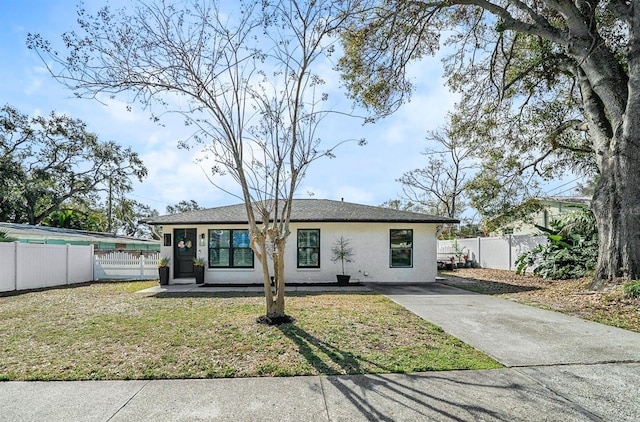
(363, 175)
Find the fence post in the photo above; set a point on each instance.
(92, 257)
(17, 264)
(141, 259)
(510, 252)
(66, 267)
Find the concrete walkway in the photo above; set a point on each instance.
(560, 369)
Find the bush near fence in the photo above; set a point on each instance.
(499, 253)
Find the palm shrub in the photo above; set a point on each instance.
(4, 237)
(571, 250)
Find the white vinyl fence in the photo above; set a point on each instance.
(124, 265)
(26, 266)
(499, 253)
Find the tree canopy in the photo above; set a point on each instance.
(546, 86)
(47, 162)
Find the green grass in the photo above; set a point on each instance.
(106, 331)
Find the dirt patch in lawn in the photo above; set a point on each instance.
(572, 297)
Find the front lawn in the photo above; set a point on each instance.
(106, 331)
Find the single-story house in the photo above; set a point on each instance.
(26, 233)
(388, 245)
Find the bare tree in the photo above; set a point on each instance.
(439, 186)
(244, 81)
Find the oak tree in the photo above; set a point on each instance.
(546, 85)
(47, 162)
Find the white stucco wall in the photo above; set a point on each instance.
(370, 244)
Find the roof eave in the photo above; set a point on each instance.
(311, 220)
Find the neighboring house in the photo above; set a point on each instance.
(389, 245)
(26, 233)
(547, 210)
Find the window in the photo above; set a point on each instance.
(401, 248)
(308, 248)
(230, 249)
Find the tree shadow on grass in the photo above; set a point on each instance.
(310, 347)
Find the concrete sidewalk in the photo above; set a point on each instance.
(567, 393)
(562, 369)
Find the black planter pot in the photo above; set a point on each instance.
(449, 265)
(199, 272)
(343, 279)
(163, 275)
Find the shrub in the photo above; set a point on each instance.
(631, 288)
(4, 237)
(571, 250)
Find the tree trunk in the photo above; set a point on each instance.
(616, 206)
(274, 300)
(278, 265)
(616, 201)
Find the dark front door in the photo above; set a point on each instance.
(184, 250)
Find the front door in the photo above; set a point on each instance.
(184, 250)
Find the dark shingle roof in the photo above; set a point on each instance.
(304, 210)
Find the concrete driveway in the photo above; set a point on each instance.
(514, 334)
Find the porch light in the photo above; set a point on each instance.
(202, 239)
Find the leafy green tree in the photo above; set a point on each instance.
(127, 215)
(48, 161)
(403, 205)
(73, 217)
(546, 86)
(183, 206)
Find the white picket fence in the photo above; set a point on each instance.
(491, 252)
(124, 265)
(26, 266)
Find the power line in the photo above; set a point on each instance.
(562, 185)
(149, 199)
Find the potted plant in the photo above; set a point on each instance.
(467, 261)
(163, 271)
(458, 252)
(341, 251)
(198, 269)
(450, 265)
